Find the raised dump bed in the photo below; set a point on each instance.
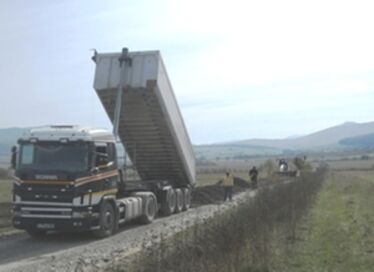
(150, 123)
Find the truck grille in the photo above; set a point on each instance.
(45, 193)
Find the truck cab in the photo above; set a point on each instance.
(71, 178)
(62, 176)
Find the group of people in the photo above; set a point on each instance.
(228, 182)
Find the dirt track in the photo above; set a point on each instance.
(62, 252)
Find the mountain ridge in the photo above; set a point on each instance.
(328, 138)
(325, 137)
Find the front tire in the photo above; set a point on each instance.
(107, 221)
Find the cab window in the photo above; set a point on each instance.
(101, 156)
(104, 155)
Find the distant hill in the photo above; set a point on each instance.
(364, 141)
(8, 138)
(347, 135)
(325, 138)
(329, 139)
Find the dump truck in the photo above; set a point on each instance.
(74, 178)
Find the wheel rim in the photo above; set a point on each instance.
(180, 200)
(172, 201)
(108, 219)
(187, 199)
(151, 208)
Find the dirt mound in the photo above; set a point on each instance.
(241, 183)
(214, 193)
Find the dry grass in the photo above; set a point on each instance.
(339, 234)
(343, 165)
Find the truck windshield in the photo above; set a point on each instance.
(54, 156)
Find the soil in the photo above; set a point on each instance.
(213, 194)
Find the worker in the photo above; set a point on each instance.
(228, 184)
(253, 173)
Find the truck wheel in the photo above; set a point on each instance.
(150, 209)
(168, 202)
(179, 204)
(35, 233)
(106, 221)
(186, 199)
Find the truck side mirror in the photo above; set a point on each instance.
(94, 170)
(13, 161)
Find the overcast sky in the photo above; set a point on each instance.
(240, 69)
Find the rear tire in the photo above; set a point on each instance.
(168, 202)
(186, 198)
(180, 200)
(107, 221)
(150, 210)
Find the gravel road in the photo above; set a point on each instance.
(80, 252)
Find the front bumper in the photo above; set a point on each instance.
(53, 224)
(48, 223)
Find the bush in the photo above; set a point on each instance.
(301, 164)
(268, 167)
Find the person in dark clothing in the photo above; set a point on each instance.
(253, 173)
(13, 161)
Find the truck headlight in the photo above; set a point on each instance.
(81, 214)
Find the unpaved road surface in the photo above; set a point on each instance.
(80, 252)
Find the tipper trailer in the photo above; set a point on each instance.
(72, 178)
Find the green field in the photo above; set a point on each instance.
(338, 235)
(223, 151)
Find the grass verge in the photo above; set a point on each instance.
(339, 233)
